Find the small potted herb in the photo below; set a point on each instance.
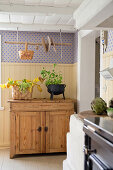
(53, 81)
(110, 112)
(110, 109)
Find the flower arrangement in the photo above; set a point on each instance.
(23, 85)
(22, 88)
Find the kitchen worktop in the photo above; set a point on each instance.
(89, 113)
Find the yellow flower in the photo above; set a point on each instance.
(28, 80)
(39, 88)
(36, 80)
(8, 85)
(30, 89)
(2, 85)
(9, 79)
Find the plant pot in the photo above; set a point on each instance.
(110, 113)
(56, 89)
(18, 95)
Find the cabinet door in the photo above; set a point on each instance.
(57, 124)
(28, 132)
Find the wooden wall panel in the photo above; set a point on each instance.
(20, 71)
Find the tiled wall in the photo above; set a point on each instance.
(110, 41)
(10, 52)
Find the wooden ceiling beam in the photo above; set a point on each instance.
(37, 27)
(31, 9)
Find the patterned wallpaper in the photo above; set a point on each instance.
(110, 41)
(75, 47)
(10, 52)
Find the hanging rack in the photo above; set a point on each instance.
(40, 44)
(46, 45)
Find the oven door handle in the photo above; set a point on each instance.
(99, 163)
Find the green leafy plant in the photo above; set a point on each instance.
(110, 109)
(98, 105)
(111, 103)
(24, 85)
(51, 77)
(110, 112)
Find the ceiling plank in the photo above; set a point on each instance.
(32, 2)
(52, 19)
(4, 17)
(21, 19)
(35, 9)
(39, 19)
(64, 19)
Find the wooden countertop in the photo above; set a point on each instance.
(89, 113)
(43, 101)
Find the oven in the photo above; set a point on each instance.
(98, 146)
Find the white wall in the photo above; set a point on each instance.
(86, 70)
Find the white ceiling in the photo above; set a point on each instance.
(20, 13)
(55, 3)
(108, 23)
(37, 19)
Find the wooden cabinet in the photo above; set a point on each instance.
(39, 126)
(58, 125)
(28, 132)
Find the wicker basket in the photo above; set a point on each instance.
(16, 94)
(26, 54)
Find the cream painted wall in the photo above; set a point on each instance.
(20, 71)
(86, 70)
(107, 85)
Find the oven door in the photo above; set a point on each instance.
(97, 164)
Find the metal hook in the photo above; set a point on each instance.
(61, 42)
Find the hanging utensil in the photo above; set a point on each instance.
(49, 43)
(44, 45)
(54, 46)
(37, 47)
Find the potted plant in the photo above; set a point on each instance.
(22, 89)
(110, 112)
(110, 108)
(53, 81)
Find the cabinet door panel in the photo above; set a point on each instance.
(28, 138)
(58, 125)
